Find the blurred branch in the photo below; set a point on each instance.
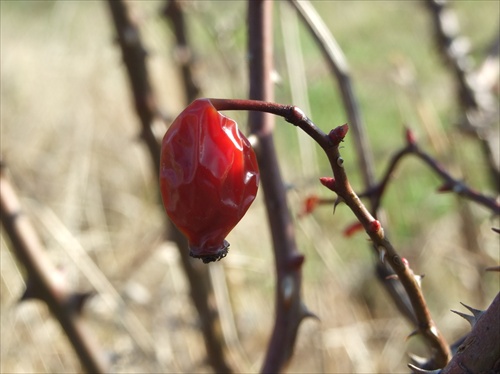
(45, 282)
(449, 183)
(201, 291)
(290, 309)
(474, 95)
(337, 62)
(184, 55)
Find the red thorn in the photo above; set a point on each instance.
(329, 183)
(338, 133)
(447, 187)
(410, 137)
(352, 229)
(296, 261)
(310, 204)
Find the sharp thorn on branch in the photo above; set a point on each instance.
(32, 291)
(338, 200)
(471, 319)
(476, 312)
(412, 334)
(77, 301)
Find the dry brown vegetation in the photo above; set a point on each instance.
(69, 139)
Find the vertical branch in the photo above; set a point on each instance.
(288, 261)
(43, 282)
(134, 57)
(480, 108)
(174, 14)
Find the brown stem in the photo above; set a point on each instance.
(43, 282)
(288, 261)
(330, 145)
(201, 290)
(338, 65)
(426, 326)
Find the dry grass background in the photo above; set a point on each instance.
(69, 137)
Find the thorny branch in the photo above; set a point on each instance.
(426, 327)
(449, 183)
(44, 281)
(339, 66)
(290, 309)
(134, 57)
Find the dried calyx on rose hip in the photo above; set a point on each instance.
(208, 178)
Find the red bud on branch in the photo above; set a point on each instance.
(329, 183)
(338, 134)
(410, 137)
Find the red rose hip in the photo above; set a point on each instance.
(208, 178)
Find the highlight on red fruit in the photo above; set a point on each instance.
(208, 178)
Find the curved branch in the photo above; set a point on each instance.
(449, 183)
(330, 144)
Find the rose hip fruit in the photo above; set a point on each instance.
(208, 178)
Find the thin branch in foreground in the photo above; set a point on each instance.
(290, 310)
(426, 327)
(338, 65)
(43, 281)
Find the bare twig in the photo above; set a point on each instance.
(449, 183)
(134, 56)
(44, 282)
(288, 261)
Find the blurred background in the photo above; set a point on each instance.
(70, 141)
